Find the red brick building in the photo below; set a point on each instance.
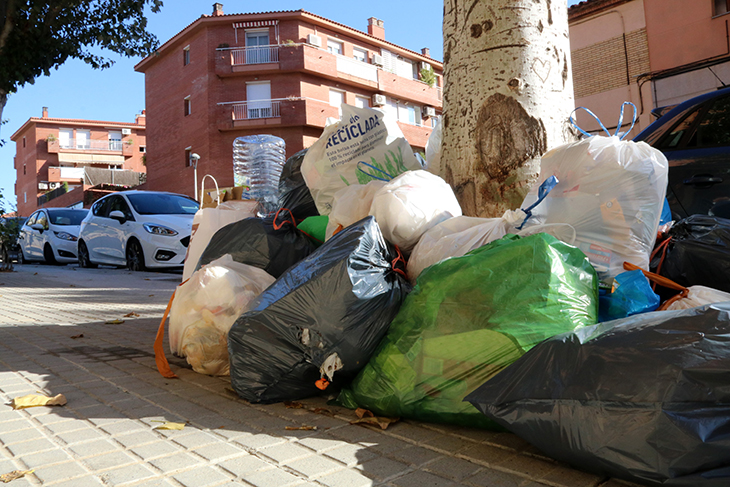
(279, 73)
(63, 162)
(654, 53)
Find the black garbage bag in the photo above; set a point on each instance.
(294, 194)
(321, 320)
(698, 253)
(272, 244)
(645, 398)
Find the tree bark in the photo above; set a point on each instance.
(508, 93)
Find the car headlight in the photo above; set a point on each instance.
(65, 236)
(159, 230)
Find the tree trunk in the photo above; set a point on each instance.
(508, 93)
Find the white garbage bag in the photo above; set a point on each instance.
(364, 145)
(699, 296)
(206, 306)
(412, 203)
(611, 192)
(433, 149)
(350, 205)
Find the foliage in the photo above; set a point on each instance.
(36, 36)
(9, 230)
(428, 76)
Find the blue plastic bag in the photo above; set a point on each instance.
(632, 295)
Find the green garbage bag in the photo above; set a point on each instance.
(468, 318)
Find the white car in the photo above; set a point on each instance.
(50, 235)
(137, 229)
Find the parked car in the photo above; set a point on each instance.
(695, 137)
(50, 235)
(9, 231)
(137, 229)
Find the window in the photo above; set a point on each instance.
(65, 138)
(337, 98)
(118, 203)
(186, 55)
(257, 47)
(362, 102)
(406, 68)
(258, 100)
(360, 54)
(187, 108)
(101, 207)
(188, 160)
(672, 139)
(142, 148)
(32, 218)
(115, 140)
(42, 220)
(24, 142)
(25, 197)
(334, 47)
(82, 139)
(714, 127)
(722, 7)
(23, 169)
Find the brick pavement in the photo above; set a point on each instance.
(106, 436)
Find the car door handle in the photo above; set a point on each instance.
(703, 180)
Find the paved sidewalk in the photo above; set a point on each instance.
(105, 434)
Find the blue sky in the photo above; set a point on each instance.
(117, 94)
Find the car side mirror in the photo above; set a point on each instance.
(37, 226)
(118, 216)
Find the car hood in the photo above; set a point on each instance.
(183, 224)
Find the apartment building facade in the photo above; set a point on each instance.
(61, 162)
(653, 53)
(280, 73)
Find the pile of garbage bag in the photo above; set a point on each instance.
(644, 399)
(370, 286)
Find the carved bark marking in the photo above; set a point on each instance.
(507, 137)
(500, 47)
(550, 12)
(541, 69)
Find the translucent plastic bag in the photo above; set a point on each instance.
(412, 203)
(205, 308)
(363, 134)
(632, 294)
(433, 149)
(698, 296)
(351, 204)
(612, 193)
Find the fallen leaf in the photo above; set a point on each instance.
(71, 285)
(293, 405)
(150, 295)
(300, 428)
(78, 336)
(146, 278)
(324, 411)
(367, 417)
(113, 322)
(131, 314)
(15, 474)
(169, 425)
(34, 400)
(35, 274)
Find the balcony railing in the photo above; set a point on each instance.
(249, 110)
(92, 176)
(353, 67)
(85, 144)
(255, 55)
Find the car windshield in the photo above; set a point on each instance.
(66, 217)
(162, 204)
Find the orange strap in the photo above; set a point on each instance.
(163, 366)
(291, 220)
(656, 278)
(663, 246)
(322, 384)
(399, 263)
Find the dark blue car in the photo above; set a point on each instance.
(695, 138)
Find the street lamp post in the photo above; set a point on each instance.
(195, 158)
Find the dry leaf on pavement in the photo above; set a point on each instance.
(131, 314)
(77, 336)
(293, 405)
(367, 417)
(35, 400)
(169, 425)
(113, 322)
(300, 428)
(15, 474)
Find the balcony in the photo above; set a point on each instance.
(409, 89)
(92, 176)
(56, 146)
(285, 112)
(246, 59)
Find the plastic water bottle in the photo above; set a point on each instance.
(257, 163)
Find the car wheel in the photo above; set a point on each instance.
(48, 255)
(21, 257)
(84, 260)
(135, 256)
